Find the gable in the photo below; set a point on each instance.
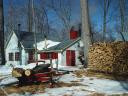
(12, 44)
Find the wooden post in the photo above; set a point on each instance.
(50, 55)
(51, 81)
(57, 65)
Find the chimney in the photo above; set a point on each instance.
(73, 33)
(19, 27)
(45, 38)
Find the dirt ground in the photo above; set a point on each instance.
(41, 87)
(91, 73)
(33, 88)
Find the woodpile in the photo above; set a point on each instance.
(109, 57)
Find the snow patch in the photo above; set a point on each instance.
(5, 70)
(105, 86)
(8, 80)
(68, 78)
(68, 68)
(73, 91)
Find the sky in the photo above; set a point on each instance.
(95, 10)
(75, 10)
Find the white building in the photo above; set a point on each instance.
(66, 53)
(19, 48)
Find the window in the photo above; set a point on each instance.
(54, 55)
(31, 55)
(45, 55)
(10, 56)
(17, 56)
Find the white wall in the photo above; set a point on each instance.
(24, 57)
(12, 47)
(76, 49)
(62, 56)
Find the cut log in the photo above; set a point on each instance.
(17, 72)
(28, 72)
(38, 69)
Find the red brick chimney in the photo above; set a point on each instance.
(73, 33)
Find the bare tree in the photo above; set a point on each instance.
(10, 14)
(85, 27)
(30, 19)
(105, 13)
(122, 11)
(41, 19)
(63, 10)
(2, 32)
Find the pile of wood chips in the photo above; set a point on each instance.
(109, 57)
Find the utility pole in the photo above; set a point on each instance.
(85, 28)
(2, 33)
(30, 19)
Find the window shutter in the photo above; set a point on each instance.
(31, 56)
(11, 57)
(17, 56)
(54, 55)
(43, 55)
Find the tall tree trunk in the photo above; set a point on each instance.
(11, 15)
(35, 29)
(106, 9)
(2, 33)
(85, 27)
(104, 20)
(122, 4)
(30, 19)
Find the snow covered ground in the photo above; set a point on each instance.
(88, 85)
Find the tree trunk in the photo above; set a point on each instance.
(30, 19)
(2, 33)
(121, 3)
(85, 27)
(104, 20)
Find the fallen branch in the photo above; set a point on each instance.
(2, 88)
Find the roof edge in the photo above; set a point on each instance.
(78, 39)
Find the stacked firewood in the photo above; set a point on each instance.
(109, 57)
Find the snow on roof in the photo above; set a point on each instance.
(27, 39)
(49, 43)
(63, 45)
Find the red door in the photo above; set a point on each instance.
(70, 58)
